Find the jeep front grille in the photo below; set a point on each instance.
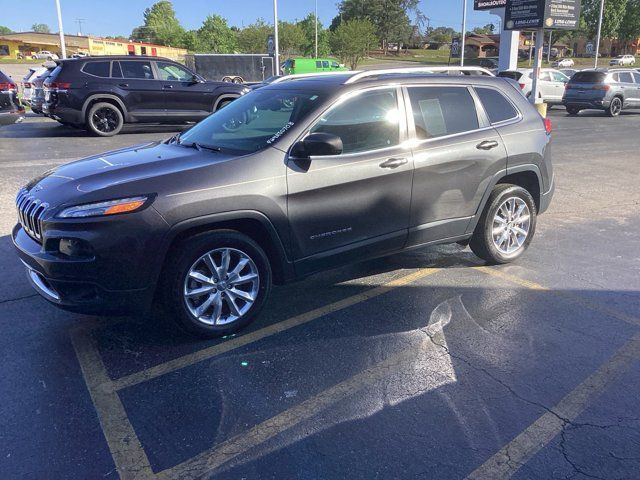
(30, 212)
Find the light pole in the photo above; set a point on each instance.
(464, 30)
(275, 36)
(595, 65)
(316, 18)
(63, 47)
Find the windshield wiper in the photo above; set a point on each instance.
(200, 146)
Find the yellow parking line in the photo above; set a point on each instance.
(596, 307)
(128, 455)
(506, 462)
(269, 331)
(210, 460)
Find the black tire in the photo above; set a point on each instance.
(104, 119)
(615, 107)
(482, 242)
(573, 110)
(185, 255)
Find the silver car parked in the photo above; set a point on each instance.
(608, 90)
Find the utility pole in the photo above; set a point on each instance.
(275, 36)
(62, 44)
(464, 30)
(316, 19)
(595, 65)
(549, 49)
(79, 21)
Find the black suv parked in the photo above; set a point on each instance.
(10, 109)
(101, 94)
(290, 179)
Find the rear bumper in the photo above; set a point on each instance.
(64, 114)
(597, 103)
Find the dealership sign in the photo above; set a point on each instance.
(488, 4)
(536, 14)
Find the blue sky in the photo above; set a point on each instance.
(110, 17)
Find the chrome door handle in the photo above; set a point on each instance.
(487, 145)
(394, 163)
(123, 84)
(168, 86)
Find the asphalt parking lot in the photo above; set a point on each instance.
(422, 365)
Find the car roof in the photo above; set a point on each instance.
(338, 82)
(114, 57)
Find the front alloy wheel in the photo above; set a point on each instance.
(221, 286)
(215, 282)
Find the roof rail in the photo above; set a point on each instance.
(423, 70)
(296, 76)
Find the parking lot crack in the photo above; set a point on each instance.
(576, 468)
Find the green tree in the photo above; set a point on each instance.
(291, 38)
(5, 30)
(40, 28)
(390, 17)
(614, 12)
(253, 38)
(442, 35)
(308, 26)
(486, 30)
(630, 26)
(215, 36)
(161, 26)
(351, 41)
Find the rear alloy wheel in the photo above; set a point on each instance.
(573, 110)
(217, 283)
(105, 119)
(506, 226)
(615, 107)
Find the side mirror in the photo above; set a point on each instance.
(197, 79)
(318, 145)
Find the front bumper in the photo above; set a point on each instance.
(119, 278)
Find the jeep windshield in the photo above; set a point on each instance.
(252, 122)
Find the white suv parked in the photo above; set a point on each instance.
(623, 60)
(552, 83)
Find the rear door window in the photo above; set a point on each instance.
(626, 77)
(368, 121)
(325, 64)
(136, 69)
(498, 108)
(441, 111)
(636, 77)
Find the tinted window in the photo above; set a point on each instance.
(318, 64)
(325, 64)
(626, 77)
(588, 77)
(98, 69)
(440, 111)
(368, 121)
(136, 69)
(335, 65)
(173, 72)
(513, 75)
(4, 50)
(116, 71)
(636, 76)
(498, 108)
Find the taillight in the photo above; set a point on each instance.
(548, 126)
(58, 85)
(604, 88)
(522, 85)
(7, 87)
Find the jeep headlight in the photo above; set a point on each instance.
(109, 207)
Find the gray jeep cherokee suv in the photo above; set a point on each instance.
(290, 179)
